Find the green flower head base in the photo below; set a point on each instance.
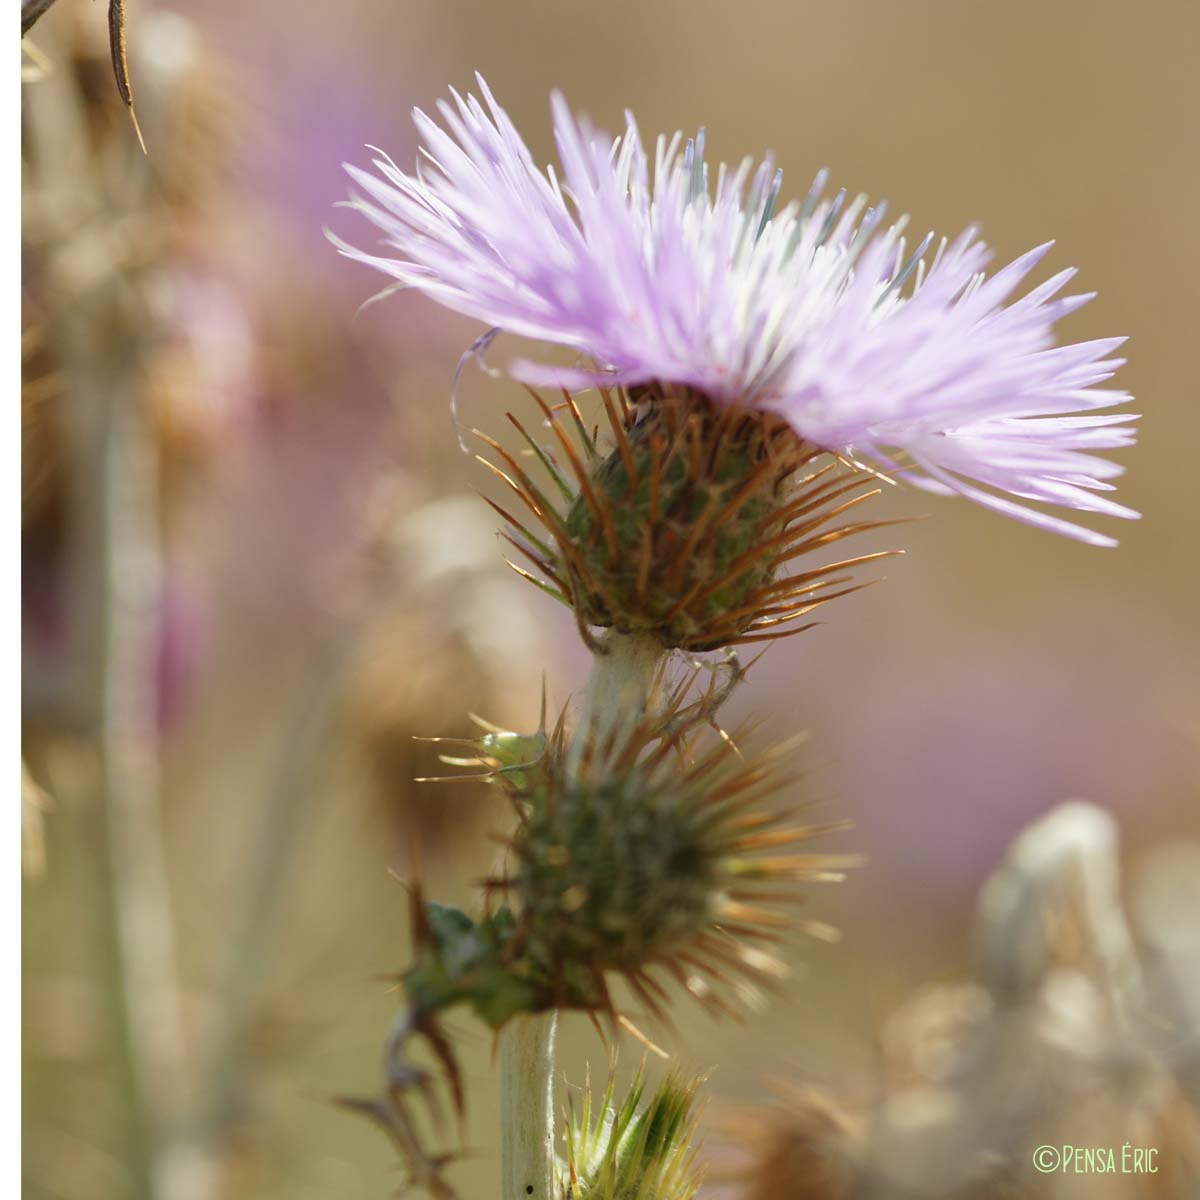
(682, 520)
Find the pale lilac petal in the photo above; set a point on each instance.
(948, 377)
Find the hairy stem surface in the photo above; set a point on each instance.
(618, 690)
(527, 1124)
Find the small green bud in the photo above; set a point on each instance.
(514, 753)
(513, 750)
(636, 1151)
(505, 757)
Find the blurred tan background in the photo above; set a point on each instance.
(233, 635)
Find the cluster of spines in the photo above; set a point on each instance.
(755, 866)
(811, 489)
(634, 1150)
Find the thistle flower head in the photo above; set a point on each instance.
(668, 273)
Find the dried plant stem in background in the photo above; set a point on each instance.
(135, 870)
(262, 881)
(31, 11)
(117, 555)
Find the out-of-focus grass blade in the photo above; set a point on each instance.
(120, 61)
(31, 10)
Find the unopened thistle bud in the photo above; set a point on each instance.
(659, 857)
(636, 1151)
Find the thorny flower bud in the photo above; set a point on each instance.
(638, 853)
(647, 1152)
(662, 854)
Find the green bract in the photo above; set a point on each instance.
(634, 1152)
(668, 537)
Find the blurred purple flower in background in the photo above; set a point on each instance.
(816, 311)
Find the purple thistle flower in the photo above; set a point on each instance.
(817, 312)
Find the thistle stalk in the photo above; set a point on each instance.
(617, 694)
(527, 1161)
(618, 690)
(731, 455)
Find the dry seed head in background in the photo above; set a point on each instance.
(1071, 1036)
(118, 215)
(107, 235)
(450, 634)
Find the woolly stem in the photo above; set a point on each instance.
(618, 691)
(527, 1160)
(617, 694)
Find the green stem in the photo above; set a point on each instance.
(618, 693)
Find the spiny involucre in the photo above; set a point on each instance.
(816, 311)
(634, 1151)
